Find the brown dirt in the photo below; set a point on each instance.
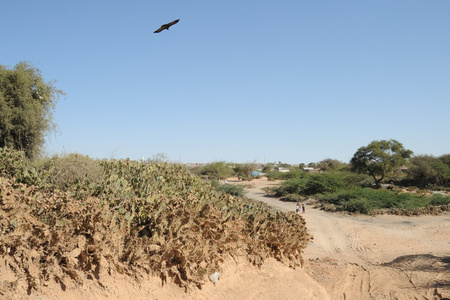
(351, 257)
(381, 257)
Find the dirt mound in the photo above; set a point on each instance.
(52, 239)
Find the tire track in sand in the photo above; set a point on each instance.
(353, 257)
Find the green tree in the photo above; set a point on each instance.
(426, 170)
(244, 171)
(380, 158)
(329, 164)
(312, 165)
(445, 159)
(217, 170)
(27, 103)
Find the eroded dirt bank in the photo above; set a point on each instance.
(351, 257)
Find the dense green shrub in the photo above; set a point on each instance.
(331, 164)
(312, 184)
(27, 103)
(428, 171)
(216, 170)
(357, 206)
(292, 198)
(290, 186)
(323, 183)
(364, 200)
(439, 200)
(231, 189)
(14, 164)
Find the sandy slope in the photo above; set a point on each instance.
(351, 257)
(382, 257)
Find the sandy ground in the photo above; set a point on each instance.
(381, 257)
(351, 257)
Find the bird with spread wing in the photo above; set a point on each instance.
(166, 26)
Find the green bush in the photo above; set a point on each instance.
(14, 164)
(291, 186)
(73, 172)
(366, 199)
(428, 171)
(361, 206)
(312, 184)
(231, 189)
(292, 198)
(438, 199)
(323, 183)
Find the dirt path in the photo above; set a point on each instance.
(381, 257)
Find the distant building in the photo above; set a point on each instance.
(311, 170)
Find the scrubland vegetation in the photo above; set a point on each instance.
(72, 217)
(422, 185)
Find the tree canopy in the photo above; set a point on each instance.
(379, 158)
(329, 164)
(427, 170)
(27, 103)
(244, 171)
(217, 170)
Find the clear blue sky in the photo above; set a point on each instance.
(240, 81)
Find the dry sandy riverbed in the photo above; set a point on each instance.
(380, 257)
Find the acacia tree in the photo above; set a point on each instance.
(329, 164)
(244, 171)
(27, 103)
(217, 170)
(379, 158)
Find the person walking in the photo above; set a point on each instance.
(303, 207)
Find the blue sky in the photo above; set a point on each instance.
(240, 81)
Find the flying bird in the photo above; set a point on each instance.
(166, 26)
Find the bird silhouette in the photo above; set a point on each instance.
(166, 26)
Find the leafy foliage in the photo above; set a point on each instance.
(366, 200)
(244, 171)
(137, 216)
(231, 189)
(347, 191)
(216, 170)
(380, 158)
(428, 171)
(330, 164)
(311, 184)
(26, 106)
(14, 164)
